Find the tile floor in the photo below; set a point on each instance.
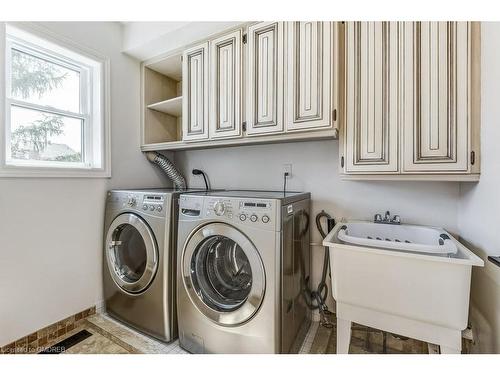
(96, 344)
(112, 337)
(366, 341)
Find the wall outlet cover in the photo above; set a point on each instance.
(287, 168)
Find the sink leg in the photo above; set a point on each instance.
(448, 350)
(343, 336)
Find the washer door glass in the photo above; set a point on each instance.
(132, 253)
(223, 274)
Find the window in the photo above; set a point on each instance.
(55, 118)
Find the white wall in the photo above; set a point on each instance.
(314, 169)
(145, 40)
(479, 210)
(51, 229)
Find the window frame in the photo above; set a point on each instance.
(93, 72)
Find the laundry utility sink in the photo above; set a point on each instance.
(405, 279)
(414, 238)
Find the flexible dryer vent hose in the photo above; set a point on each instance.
(169, 168)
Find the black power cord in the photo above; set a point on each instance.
(198, 172)
(285, 176)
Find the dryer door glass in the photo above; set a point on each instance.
(132, 253)
(221, 273)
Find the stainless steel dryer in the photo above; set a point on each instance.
(140, 239)
(243, 267)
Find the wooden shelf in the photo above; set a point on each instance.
(170, 66)
(171, 107)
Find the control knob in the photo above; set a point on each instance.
(243, 217)
(219, 208)
(131, 201)
(265, 219)
(253, 218)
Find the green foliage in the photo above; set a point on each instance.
(76, 157)
(31, 75)
(34, 76)
(37, 134)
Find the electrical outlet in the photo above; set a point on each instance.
(287, 168)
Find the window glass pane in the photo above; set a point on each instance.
(44, 136)
(39, 81)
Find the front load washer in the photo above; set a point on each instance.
(139, 275)
(243, 271)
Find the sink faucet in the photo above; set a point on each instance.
(396, 219)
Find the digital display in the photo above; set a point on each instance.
(248, 204)
(261, 205)
(153, 197)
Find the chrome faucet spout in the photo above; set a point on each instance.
(396, 219)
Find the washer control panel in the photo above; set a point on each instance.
(219, 207)
(256, 212)
(253, 212)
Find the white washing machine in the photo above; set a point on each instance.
(140, 238)
(243, 269)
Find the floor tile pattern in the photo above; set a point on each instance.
(47, 336)
(129, 338)
(364, 340)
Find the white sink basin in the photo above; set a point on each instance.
(413, 238)
(418, 288)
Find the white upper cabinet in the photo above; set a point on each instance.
(225, 97)
(195, 93)
(309, 75)
(412, 100)
(370, 131)
(436, 104)
(264, 85)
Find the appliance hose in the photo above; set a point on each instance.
(315, 299)
(169, 168)
(321, 291)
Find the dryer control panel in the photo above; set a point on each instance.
(153, 204)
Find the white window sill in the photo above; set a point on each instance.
(47, 172)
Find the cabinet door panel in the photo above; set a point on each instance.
(225, 117)
(195, 93)
(371, 118)
(265, 78)
(309, 75)
(436, 127)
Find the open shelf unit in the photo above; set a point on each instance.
(162, 99)
(172, 107)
